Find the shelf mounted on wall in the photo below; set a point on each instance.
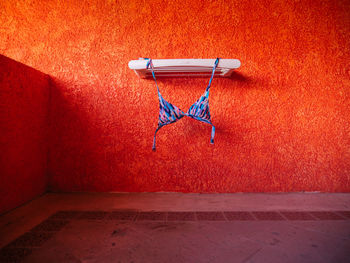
(184, 67)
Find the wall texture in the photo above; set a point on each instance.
(24, 96)
(282, 120)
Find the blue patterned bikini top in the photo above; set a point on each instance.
(169, 113)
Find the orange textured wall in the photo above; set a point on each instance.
(24, 97)
(282, 120)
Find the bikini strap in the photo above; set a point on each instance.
(154, 138)
(212, 74)
(150, 65)
(212, 134)
(207, 95)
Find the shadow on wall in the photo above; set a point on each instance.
(236, 77)
(240, 77)
(81, 141)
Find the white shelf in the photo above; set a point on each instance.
(184, 67)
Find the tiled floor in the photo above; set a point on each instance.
(171, 227)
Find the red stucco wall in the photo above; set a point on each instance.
(282, 120)
(24, 96)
